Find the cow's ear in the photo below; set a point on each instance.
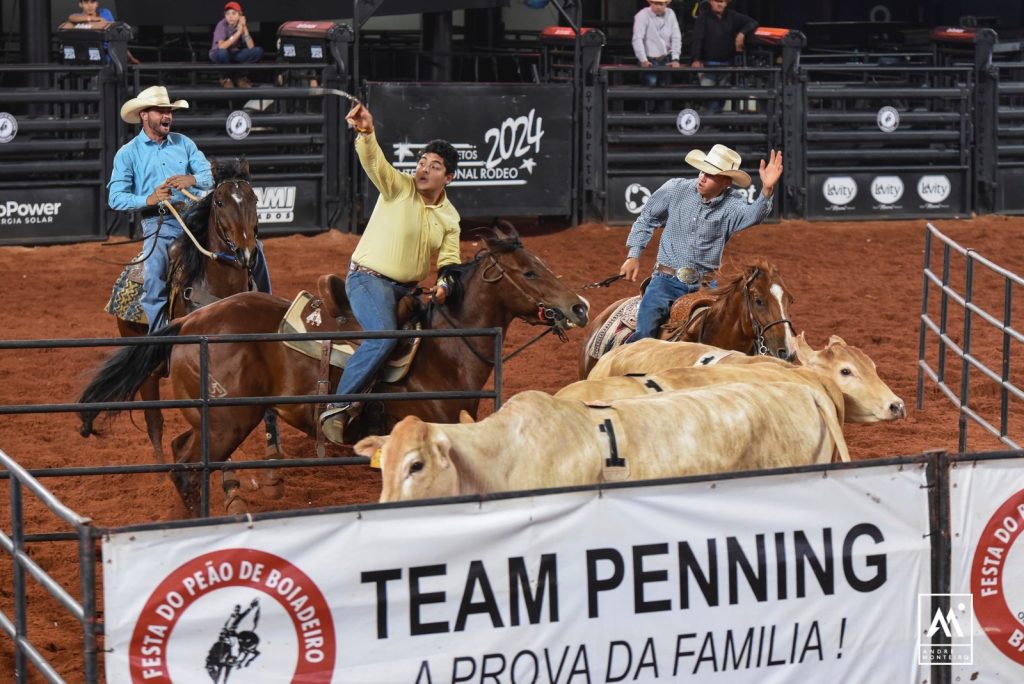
(465, 417)
(369, 445)
(836, 339)
(442, 449)
(804, 353)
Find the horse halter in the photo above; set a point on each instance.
(228, 258)
(546, 314)
(759, 331)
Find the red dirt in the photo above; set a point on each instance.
(862, 281)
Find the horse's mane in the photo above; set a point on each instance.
(197, 220)
(734, 281)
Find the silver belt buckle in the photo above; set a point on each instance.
(687, 275)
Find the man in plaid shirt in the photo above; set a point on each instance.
(699, 216)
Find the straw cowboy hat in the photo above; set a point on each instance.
(153, 96)
(719, 161)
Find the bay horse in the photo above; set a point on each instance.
(502, 282)
(749, 314)
(224, 222)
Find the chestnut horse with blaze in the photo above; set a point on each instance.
(504, 281)
(748, 313)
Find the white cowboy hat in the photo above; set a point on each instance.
(153, 96)
(719, 161)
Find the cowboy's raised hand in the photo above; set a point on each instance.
(359, 118)
(772, 171)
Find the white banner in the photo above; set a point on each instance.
(786, 578)
(987, 519)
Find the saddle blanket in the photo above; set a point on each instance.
(306, 315)
(620, 325)
(126, 296)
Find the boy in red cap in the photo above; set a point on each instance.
(233, 44)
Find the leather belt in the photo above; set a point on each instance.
(150, 212)
(353, 266)
(690, 276)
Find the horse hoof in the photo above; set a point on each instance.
(236, 505)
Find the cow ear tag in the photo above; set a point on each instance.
(375, 459)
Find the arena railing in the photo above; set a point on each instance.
(963, 345)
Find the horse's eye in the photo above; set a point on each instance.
(846, 371)
(759, 302)
(416, 466)
(219, 204)
(529, 274)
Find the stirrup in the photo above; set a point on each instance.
(334, 420)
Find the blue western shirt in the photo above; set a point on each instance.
(143, 164)
(695, 231)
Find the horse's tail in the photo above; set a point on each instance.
(123, 374)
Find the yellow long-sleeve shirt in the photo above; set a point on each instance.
(403, 232)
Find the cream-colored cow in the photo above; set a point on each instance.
(537, 441)
(867, 398)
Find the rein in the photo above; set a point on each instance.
(543, 313)
(216, 256)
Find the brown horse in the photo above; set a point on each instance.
(224, 222)
(749, 314)
(504, 281)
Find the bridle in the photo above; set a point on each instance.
(228, 258)
(759, 330)
(556, 319)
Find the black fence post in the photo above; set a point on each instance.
(985, 118)
(794, 120)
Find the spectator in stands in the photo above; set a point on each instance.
(91, 14)
(411, 222)
(718, 35)
(230, 34)
(699, 216)
(140, 181)
(656, 38)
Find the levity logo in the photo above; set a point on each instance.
(934, 189)
(839, 190)
(887, 189)
(275, 204)
(14, 213)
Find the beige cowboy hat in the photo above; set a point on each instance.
(153, 96)
(719, 161)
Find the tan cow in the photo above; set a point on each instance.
(688, 378)
(538, 441)
(868, 399)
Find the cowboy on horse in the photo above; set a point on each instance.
(154, 168)
(699, 216)
(412, 221)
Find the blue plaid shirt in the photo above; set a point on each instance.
(695, 231)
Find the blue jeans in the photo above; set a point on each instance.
(373, 301)
(654, 307)
(154, 286)
(243, 56)
(651, 80)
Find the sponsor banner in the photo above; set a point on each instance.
(514, 142)
(54, 213)
(628, 194)
(286, 205)
(891, 193)
(987, 536)
(728, 581)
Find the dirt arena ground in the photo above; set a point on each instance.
(861, 281)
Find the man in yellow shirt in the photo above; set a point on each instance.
(412, 221)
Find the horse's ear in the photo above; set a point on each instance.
(214, 168)
(506, 229)
(243, 167)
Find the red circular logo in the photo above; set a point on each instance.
(989, 575)
(248, 568)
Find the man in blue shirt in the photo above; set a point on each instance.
(699, 216)
(152, 167)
